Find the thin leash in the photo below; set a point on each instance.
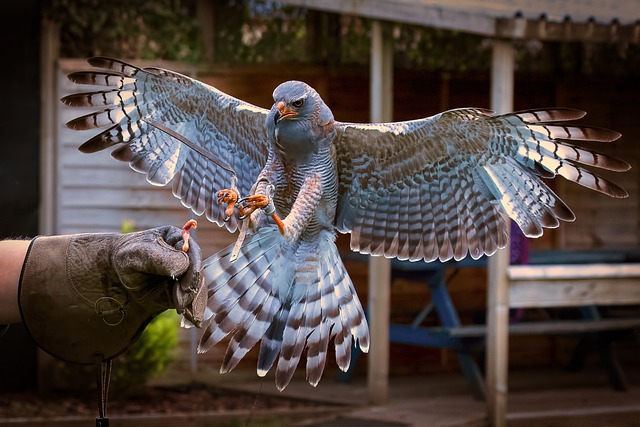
(103, 377)
(255, 403)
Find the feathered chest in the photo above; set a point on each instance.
(295, 180)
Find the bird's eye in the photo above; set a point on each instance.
(298, 103)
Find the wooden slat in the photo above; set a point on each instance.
(106, 177)
(574, 285)
(572, 293)
(572, 271)
(125, 198)
(546, 327)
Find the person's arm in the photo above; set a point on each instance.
(12, 253)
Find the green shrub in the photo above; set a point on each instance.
(150, 356)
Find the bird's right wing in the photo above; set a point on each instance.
(173, 128)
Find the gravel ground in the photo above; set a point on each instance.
(148, 400)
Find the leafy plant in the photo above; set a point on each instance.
(140, 29)
(150, 356)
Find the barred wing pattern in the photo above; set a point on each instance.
(438, 188)
(135, 98)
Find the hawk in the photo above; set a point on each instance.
(290, 177)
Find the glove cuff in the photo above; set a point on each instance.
(70, 304)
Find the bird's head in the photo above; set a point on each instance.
(299, 121)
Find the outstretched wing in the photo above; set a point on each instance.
(172, 127)
(437, 188)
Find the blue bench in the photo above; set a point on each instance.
(465, 340)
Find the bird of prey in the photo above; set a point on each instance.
(290, 177)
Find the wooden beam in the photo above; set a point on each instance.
(206, 19)
(49, 54)
(49, 103)
(381, 88)
(497, 288)
(410, 12)
(574, 285)
(590, 31)
(574, 271)
(609, 21)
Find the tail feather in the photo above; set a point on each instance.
(289, 297)
(249, 334)
(318, 338)
(352, 315)
(232, 285)
(342, 342)
(293, 343)
(272, 341)
(318, 343)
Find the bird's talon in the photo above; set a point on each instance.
(230, 197)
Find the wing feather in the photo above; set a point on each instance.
(462, 171)
(230, 130)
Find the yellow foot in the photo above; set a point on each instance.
(249, 204)
(230, 197)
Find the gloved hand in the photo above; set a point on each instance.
(84, 296)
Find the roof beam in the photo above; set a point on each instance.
(542, 29)
(406, 12)
(500, 22)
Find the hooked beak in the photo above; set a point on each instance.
(283, 112)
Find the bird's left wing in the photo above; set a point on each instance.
(437, 188)
(172, 127)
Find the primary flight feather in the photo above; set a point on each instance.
(289, 178)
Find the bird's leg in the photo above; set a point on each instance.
(230, 196)
(247, 205)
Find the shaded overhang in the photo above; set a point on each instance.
(609, 21)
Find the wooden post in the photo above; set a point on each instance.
(380, 268)
(49, 54)
(497, 360)
(49, 101)
(206, 17)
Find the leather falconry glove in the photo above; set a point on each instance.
(89, 296)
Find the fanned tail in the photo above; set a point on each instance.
(290, 296)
